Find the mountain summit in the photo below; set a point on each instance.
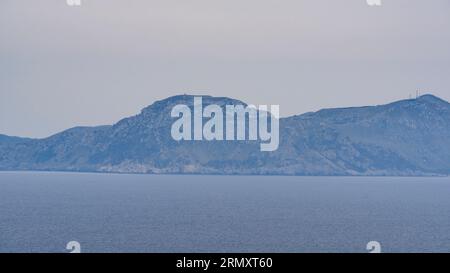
(408, 137)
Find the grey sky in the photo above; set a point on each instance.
(64, 66)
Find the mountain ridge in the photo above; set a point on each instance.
(406, 137)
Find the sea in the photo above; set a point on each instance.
(44, 211)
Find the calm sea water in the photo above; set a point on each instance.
(41, 212)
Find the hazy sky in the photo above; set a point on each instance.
(63, 66)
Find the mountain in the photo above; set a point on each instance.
(408, 137)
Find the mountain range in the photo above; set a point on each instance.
(404, 138)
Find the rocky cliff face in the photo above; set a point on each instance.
(409, 137)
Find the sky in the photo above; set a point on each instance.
(63, 66)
